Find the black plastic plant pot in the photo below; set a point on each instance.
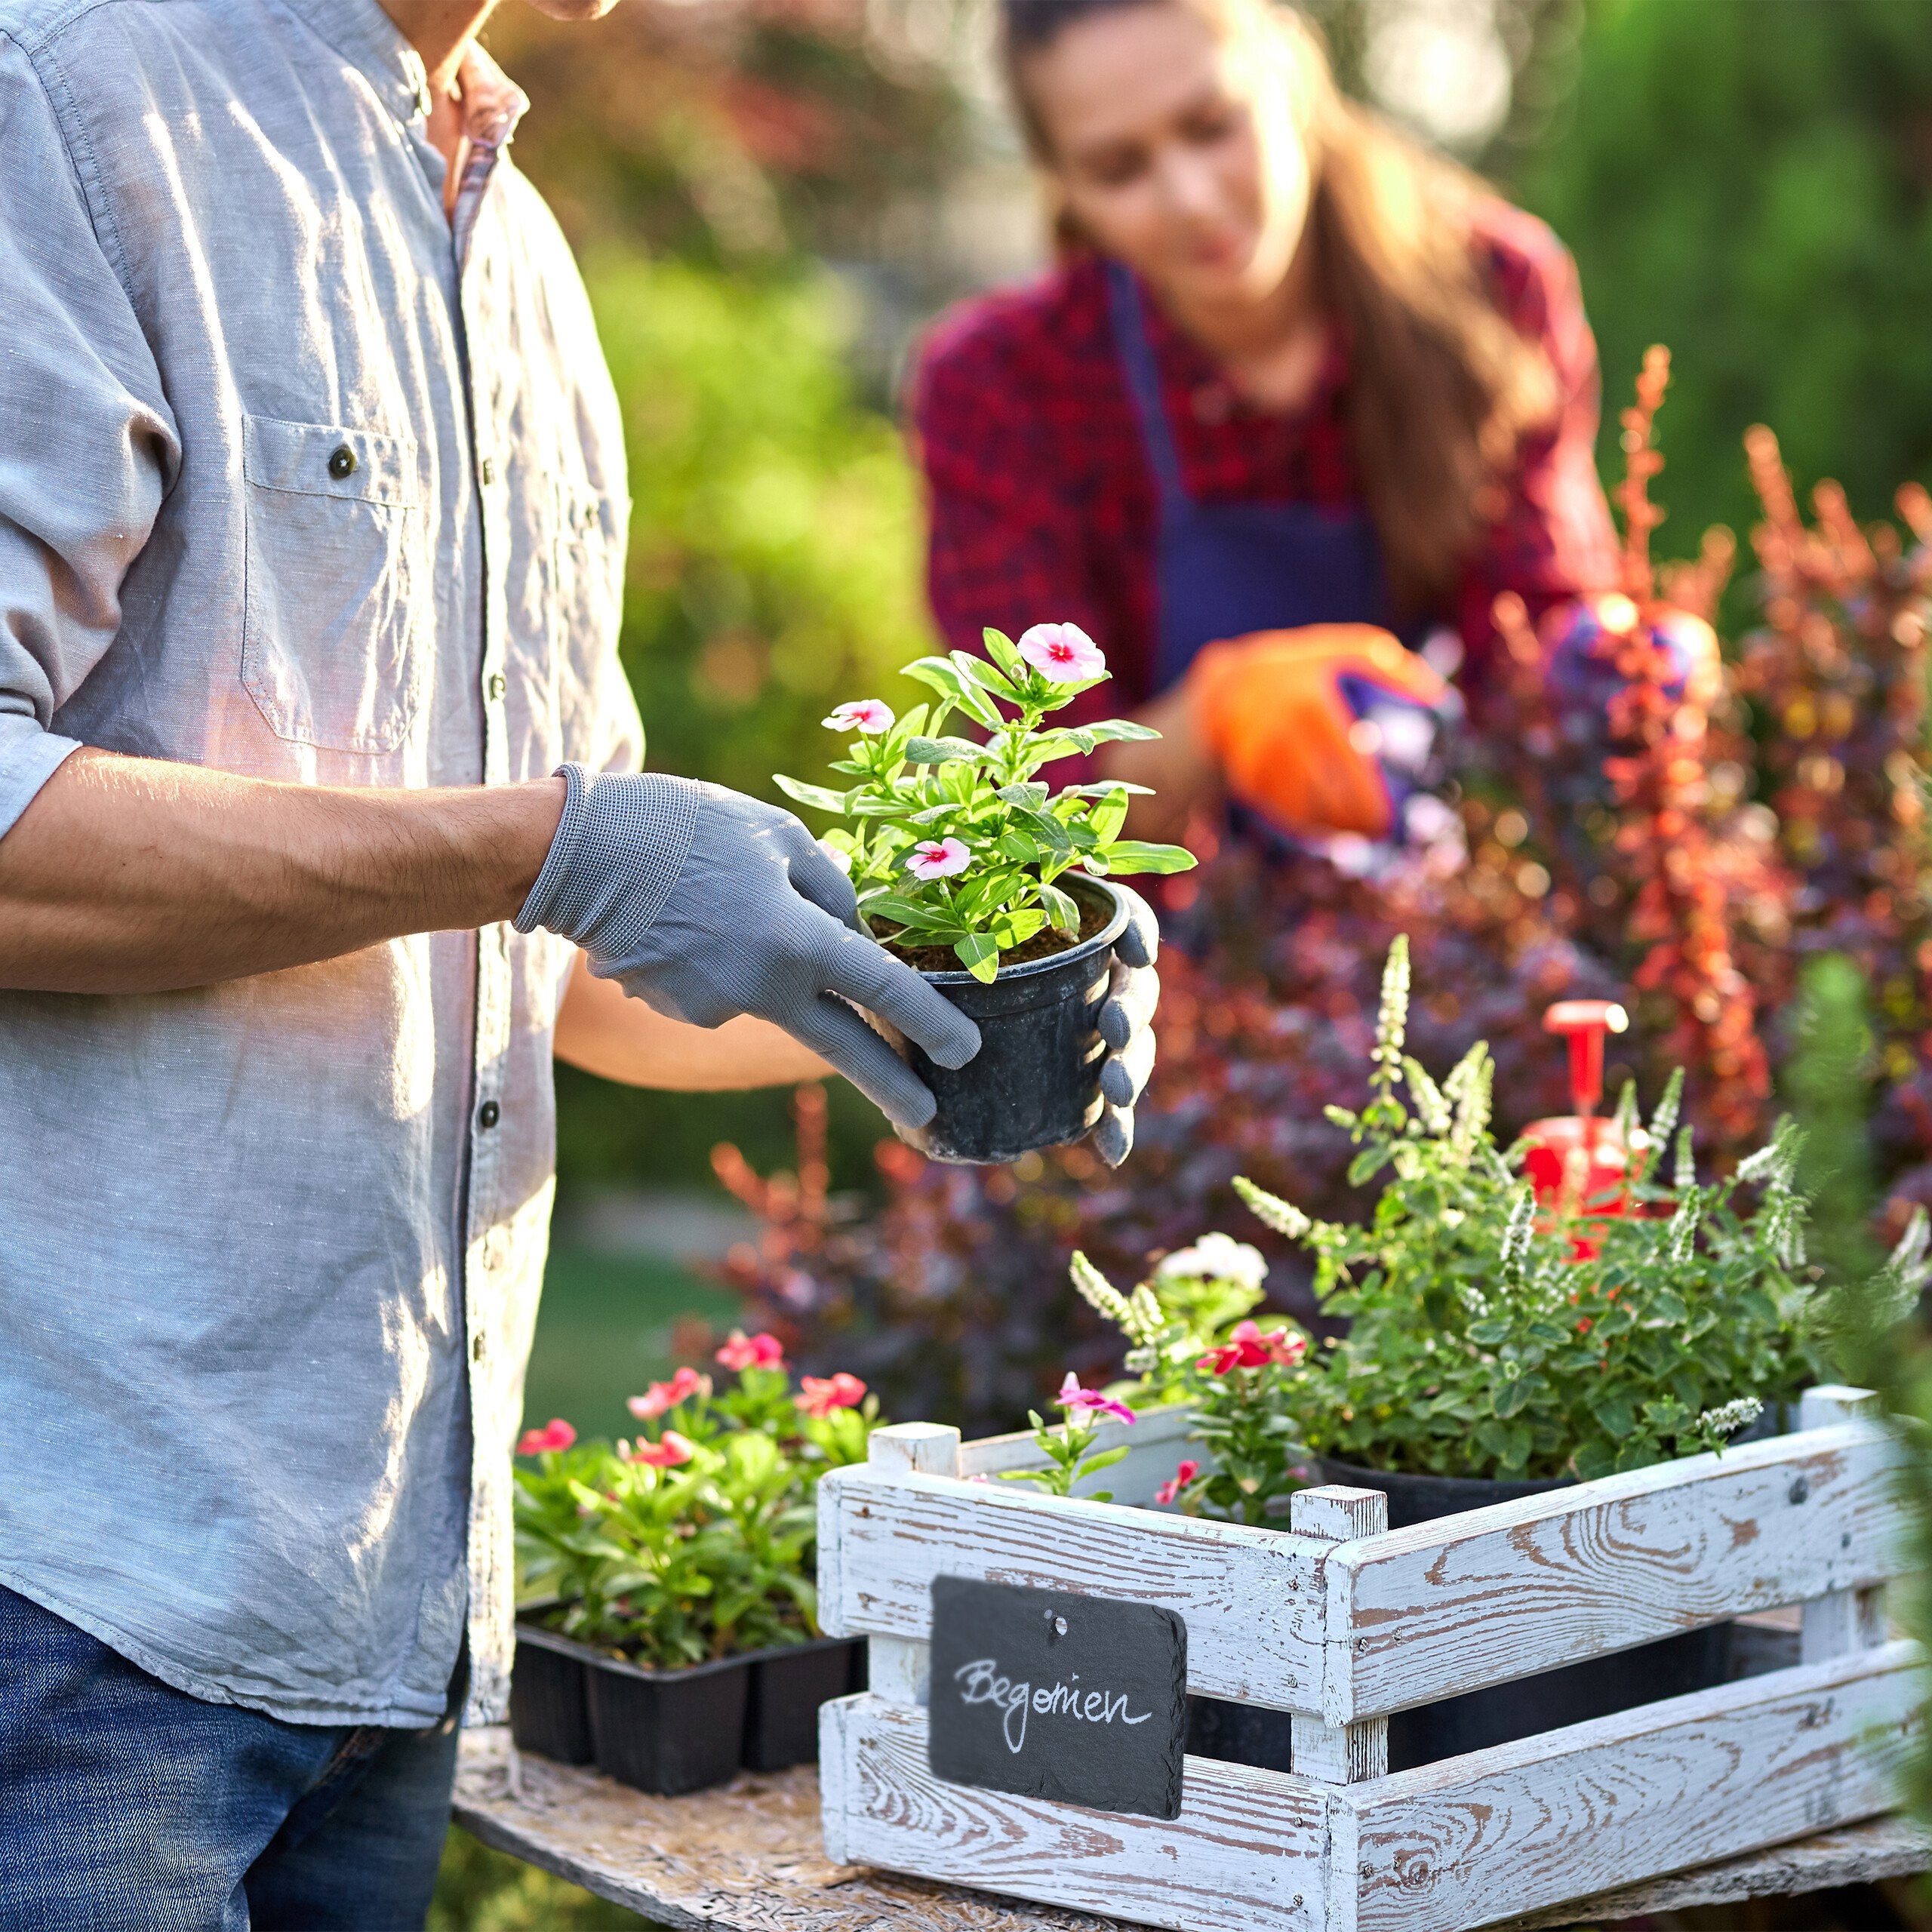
(549, 1712)
(1600, 1686)
(1035, 1081)
(787, 1687)
(667, 1732)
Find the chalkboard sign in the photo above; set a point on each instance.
(1046, 1694)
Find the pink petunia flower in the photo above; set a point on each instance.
(663, 1396)
(667, 1453)
(742, 1352)
(871, 715)
(1247, 1347)
(557, 1434)
(1072, 1397)
(1064, 652)
(1178, 1482)
(820, 1394)
(939, 858)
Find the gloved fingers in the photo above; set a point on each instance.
(817, 876)
(1140, 945)
(1113, 1139)
(869, 976)
(1390, 664)
(835, 1032)
(1123, 1074)
(1132, 995)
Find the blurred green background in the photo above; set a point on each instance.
(770, 199)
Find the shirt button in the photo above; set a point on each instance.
(476, 1348)
(488, 1114)
(342, 462)
(487, 469)
(499, 684)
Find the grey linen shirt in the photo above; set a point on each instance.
(298, 480)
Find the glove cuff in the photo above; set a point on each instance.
(641, 826)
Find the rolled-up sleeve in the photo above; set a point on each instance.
(87, 444)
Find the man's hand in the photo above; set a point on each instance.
(706, 904)
(1125, 1025)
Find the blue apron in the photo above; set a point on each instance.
(1224, 570)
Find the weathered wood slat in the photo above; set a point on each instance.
(1572, 1812)
(1338, 1753)
(1245, 1855)
(1155, 1444)
(1503, 1592)
(1253, 1621)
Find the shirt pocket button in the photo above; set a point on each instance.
(342, 462)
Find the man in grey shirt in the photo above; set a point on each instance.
(321, 831)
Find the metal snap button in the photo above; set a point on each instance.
(488, 1114)
(487, 469)
(342, 462)
(499, 684)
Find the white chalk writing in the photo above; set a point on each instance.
(982, 1682)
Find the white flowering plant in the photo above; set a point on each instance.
(955, 844)
(1491, 1333)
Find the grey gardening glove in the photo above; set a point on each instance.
(1126, 1017)
(705, 904)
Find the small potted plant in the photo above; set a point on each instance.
(993, 885)
(674, 1637)
(1500, 1343)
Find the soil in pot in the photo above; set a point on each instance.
(667, 1732)
(1035, 1081)
(1697, 1660)
(549, 1712)
(787, 1687)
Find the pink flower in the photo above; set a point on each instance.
(1064, 652)
(939, 858)
(1178, 1482)
(1071, 1396)
(871, 715)
(558, 1435)
(819, 1395)
(666, 1453)
(663, 1396)
(742, 1352)
(1247, 1347)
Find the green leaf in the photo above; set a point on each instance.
(1049, 832)
(1119, 731)
(1033, 797)
(1005, 654)
(1490, 1333)
(979, 955)
(1017, 846)
(1062, 908)
(821, 797)
(1615, 1414)
(941, 674)
(1135, 855)
(1108, 816)
(908, 912)
(942, 751)
(985, 676)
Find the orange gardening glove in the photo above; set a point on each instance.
(1291, 718)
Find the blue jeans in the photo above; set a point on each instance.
(126, 1806)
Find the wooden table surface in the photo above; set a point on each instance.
(746, 1857)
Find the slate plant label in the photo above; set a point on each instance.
(1077, 1699)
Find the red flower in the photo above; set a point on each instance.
(1178, 1482)
(663, 1396)
(742, 1352)
(667, 1454)
(820, 1395)
(558, 1435)
(1248, 1348)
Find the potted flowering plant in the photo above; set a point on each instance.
(675, 1638)
(1498, 1344)
(993, 885)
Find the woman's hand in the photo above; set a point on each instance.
(1177, 767)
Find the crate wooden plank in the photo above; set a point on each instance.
(1155, 1444)
(1246, 1855)
(1670, 1785)
(1249, 1596)
(1501, 1592)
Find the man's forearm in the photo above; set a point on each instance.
(129, 875)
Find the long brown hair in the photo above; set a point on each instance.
(1442, 389)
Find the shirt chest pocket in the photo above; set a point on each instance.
(340, 602)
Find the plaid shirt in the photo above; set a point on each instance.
(1043, 504)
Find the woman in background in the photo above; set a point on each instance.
(1299, 396)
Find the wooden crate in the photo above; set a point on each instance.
(1341, 1622)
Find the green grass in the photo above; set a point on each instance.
(606, 1330)
(482, 1891)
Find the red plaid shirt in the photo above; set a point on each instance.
(1044, 507)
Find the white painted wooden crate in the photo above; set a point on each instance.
(1341, 1622)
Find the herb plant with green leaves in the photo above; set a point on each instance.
(1492, 1334)
(955, 843)
(1069, 1449)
